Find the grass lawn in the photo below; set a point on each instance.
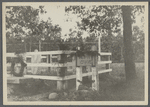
(112, 87)
(118, 90)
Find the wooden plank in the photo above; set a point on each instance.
(104, 62)
(95, 78)
(31, 56)
(51, 52)
(86, 74)
(56, 77)
(43, 77)
(42, 53)
(46, 65)
(74, 76)
(78, 76)
(104, 71)
(69, 77)
(15, 79)
(105, 53)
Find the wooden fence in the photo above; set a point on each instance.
(62, 81)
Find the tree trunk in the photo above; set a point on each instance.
(30, 45)
(128, 46)
(39, 45)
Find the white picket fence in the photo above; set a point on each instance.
(77, 76)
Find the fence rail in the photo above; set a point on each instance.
(41, 53)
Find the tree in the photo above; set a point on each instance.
(23, 24)
(128, 46)
(108, 19)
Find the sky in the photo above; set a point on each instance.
(58, 16)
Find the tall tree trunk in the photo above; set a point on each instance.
(128, 46)
(30, 45)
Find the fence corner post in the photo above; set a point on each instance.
(62, 84)
(95, 75)
(78, 76)
(95, 78)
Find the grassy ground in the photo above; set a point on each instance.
(122, 91)
(112, 87)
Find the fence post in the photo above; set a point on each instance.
(78, 76)
(48, 61)
(95, 75)
(62, 84)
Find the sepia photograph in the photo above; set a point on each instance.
(75, 53)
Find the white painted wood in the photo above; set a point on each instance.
(31, 56)
(47, 58)
(104, 71)
(78, 76)
(15, 79)
(43, 77)
(86, 74)
(42, 53)
(50, 68)
(104, 53)
(104, 62)
(95, 77)
(46, 65)
(69, 77)
(59, 85)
